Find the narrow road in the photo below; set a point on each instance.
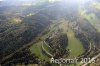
(47, 44)
(47, 51)
(95, 57)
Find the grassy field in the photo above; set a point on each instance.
(74, 45)
(37, 49)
